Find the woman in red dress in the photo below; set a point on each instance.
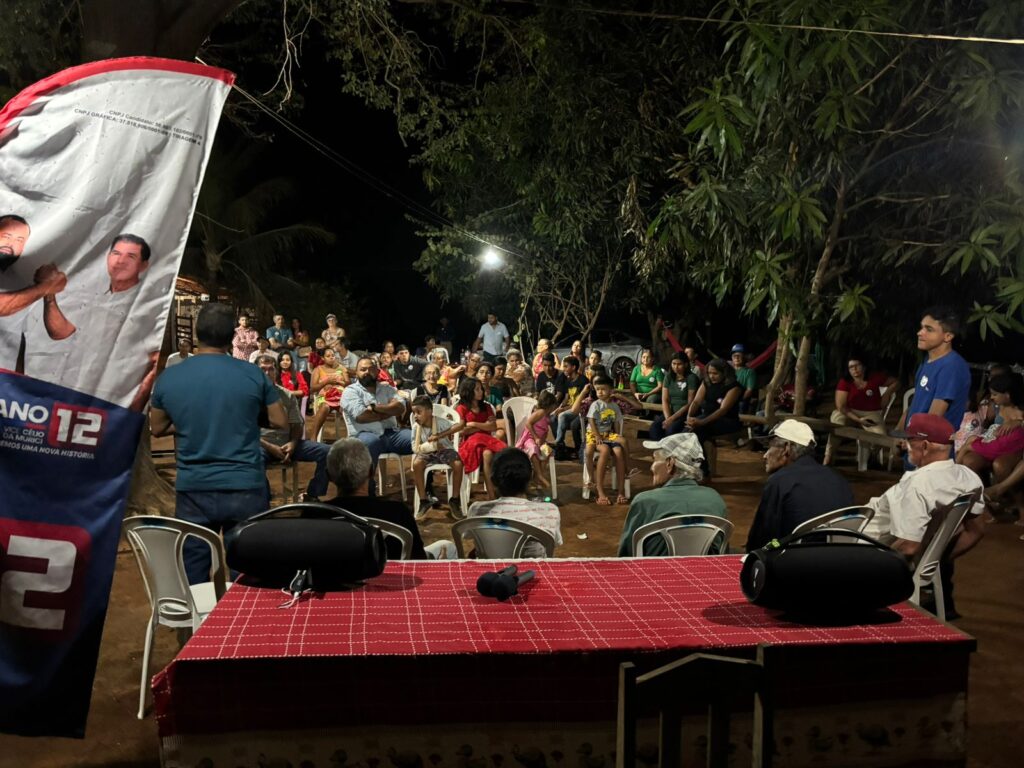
(291, 379)
(479, 440)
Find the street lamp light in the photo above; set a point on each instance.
(491, 259)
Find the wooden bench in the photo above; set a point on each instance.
(865, 440)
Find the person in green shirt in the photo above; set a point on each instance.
(680, 387)
(676, 474)
(646, 379)
(746, 378)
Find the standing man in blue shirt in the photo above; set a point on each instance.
(943, 380)
(212, 403)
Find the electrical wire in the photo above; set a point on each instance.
(368, 178)
(772, 25)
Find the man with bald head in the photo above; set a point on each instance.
(15, 296)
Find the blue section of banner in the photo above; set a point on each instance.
(65, 468)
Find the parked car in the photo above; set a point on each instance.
(620, 351)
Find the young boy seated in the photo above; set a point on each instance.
(431, 444)
(602, 440)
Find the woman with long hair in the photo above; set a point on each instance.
(479, 437)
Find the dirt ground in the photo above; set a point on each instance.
(988, 588)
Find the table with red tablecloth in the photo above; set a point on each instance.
(418, 659)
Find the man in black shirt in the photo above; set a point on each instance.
(350, 468)
(408, 371)
(574, 382)
(798, 487)
(551, 379)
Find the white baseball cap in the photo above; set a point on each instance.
(684, 448)
(793, 431)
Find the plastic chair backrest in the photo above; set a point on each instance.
(945, 522)
(448, 413)
(499, 537)
(158, 543)
(395, 531)
(684, 535)
(848, 518)
(518, 409)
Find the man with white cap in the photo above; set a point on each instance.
(798, 487)
(676, 474)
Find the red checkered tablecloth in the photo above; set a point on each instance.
(421, 627)
(426, 608)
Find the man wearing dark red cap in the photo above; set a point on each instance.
(902, 512)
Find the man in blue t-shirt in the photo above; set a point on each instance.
(212, 403)
(943, 380)
(279, 336)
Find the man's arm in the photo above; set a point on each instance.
(146, 386)
(477, 343)
(972, 533)
(938, 407)
(56, 323)
(277, 416)
(160, 423)
(48, 279)
(766, 519)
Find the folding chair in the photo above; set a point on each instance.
(685, 535)
(848, 518)
(945, 520)
(396, 532)
(517, 410)
(158, 544)
(499, 538)
(382, 473)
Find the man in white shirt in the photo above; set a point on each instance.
(184, 352)
(371, 409)
(902, 513)
(494, 337)
(511, 472)
(99, 344)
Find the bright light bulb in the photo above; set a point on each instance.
(491, 259)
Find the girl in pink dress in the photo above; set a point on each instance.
(533, 439)
(480, 435)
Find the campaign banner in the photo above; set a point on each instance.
(100, 168)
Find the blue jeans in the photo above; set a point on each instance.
(309, 450)
(658, 429)
(220, 511)
(568, 421)
(392, 441)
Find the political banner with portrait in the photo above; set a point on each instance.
(100, 168)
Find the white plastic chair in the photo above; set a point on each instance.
(451, 415)
(611, 462)
(518, 409)
(158, 544)
(685, 535)
(396, 532)
(853, 518)
(927, 571)
(382, 473)
(499, 538)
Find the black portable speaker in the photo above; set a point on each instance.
(828, 579)
(335, 547)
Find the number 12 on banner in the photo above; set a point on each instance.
(42, 568)
(76, 427)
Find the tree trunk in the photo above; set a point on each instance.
(150, 493)
(817, 283)
(782, 356)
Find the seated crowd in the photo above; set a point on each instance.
(453, 414)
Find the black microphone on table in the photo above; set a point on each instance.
(503, 584)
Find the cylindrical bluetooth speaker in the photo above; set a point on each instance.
(830, 579)
(335, 551)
